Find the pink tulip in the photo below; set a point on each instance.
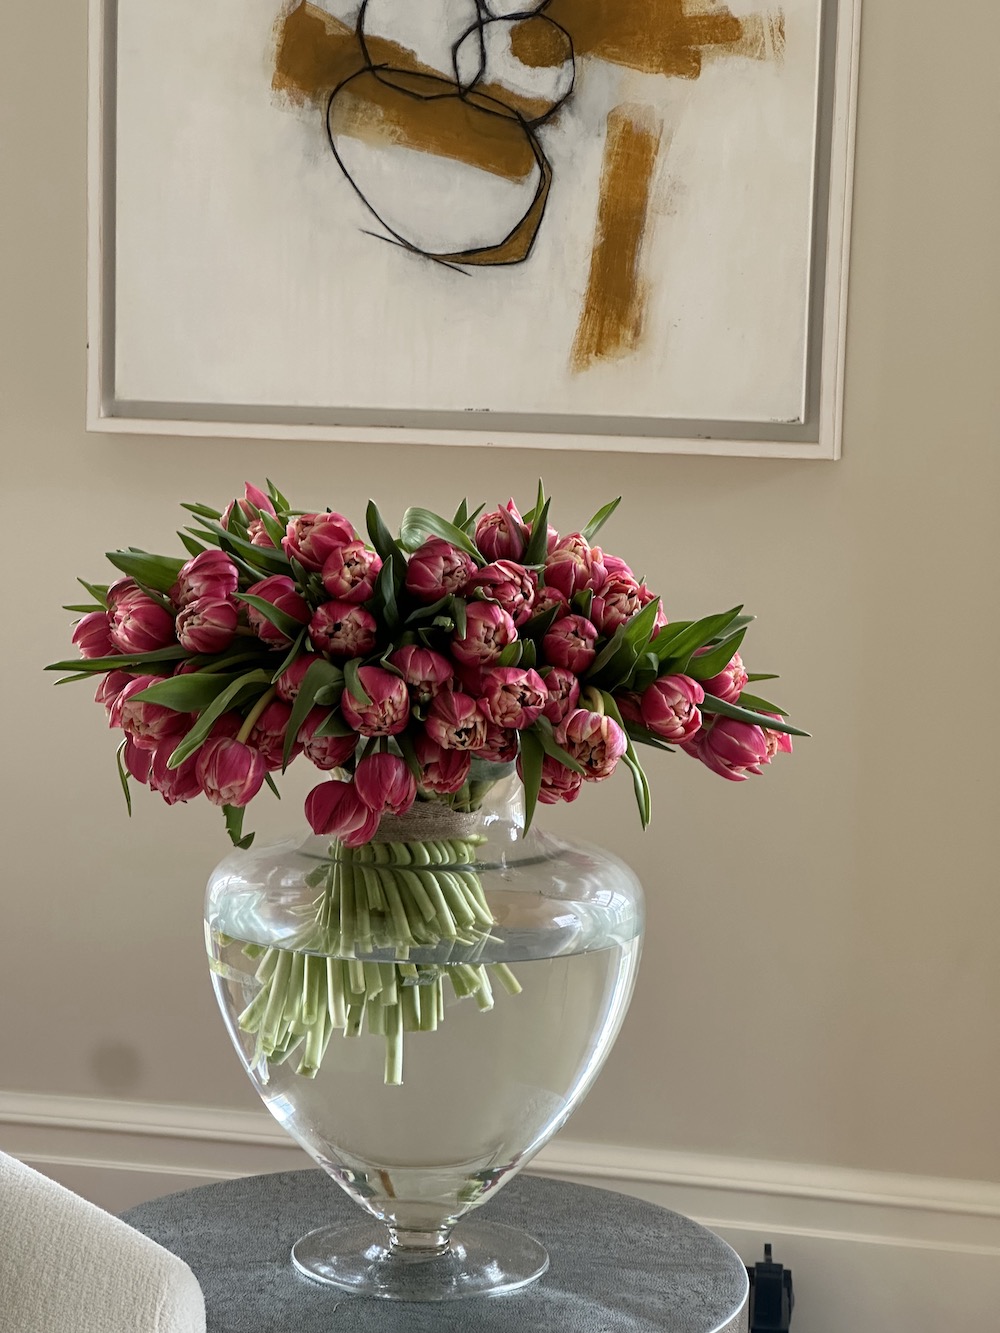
(385, 784)
(389, 710)
(92, 635)
(281, 592)
(436, 569)
(512, 586)
(630, 706)
(258, 534)
(426, 673)
(455, 723)
(546, 599)
(573, 566)
(501, 534)
(732, 749)
(325, 752)
(230, 772)
(616, 603)
(209, 574)
(511, 697)
(267, 736)
(730, 682)
(442, 772)
(562, 693)
(342, 629)
(595, 741)
(488, 631)
(616, 567)
(558, 782)
(778, 742)
(335, 809)
(254, 499)
(570, 643)
(110, 688)
(312, 538)
(290, 681)
(139, 624)
(350, 572)
(645, 597)
(207, 625)
(671, 708)
(500, 747)
(137, 761)
(174, 784)
(147, 724)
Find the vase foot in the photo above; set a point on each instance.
(480, 1259)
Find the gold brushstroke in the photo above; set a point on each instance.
(653, 36)
(539, 44)
(762, 38)
(518, 244)
(446, 125)
(611, 321)
(503, 101)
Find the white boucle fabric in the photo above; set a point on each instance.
(66, 1266)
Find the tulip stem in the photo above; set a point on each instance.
(255, 712)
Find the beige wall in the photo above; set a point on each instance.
(821, 979)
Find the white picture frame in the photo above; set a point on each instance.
(817, 435)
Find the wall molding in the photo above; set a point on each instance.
(871, 1251)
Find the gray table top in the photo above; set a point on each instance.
(618, 1264)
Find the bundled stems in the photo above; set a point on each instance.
(385, 898)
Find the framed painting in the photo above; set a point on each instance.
(586, 224)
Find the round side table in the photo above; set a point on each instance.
(618, 1265)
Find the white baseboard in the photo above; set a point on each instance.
(871, 1252)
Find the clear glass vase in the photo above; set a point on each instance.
(422, 1014)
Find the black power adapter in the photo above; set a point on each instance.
(771, 1296)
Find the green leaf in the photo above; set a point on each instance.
(203, 511)
(274, 528)
(643, 737)
(761, 675)
(469, 525)
(290, 657)
(420, 524)
(429, 611)
(123, 775)
(120, 661)
(538, 542)
(234, 826)
(405, 743)
(529, 517)
(583, 603)
(458, 612)
(639, 629)
(192, 547)
(333, 725)
(83, 608)
(382, 539)
(189, 693)
(681, 647)
(156, 571)
(277, 499)
(511, 655)
(272, 784)
(529, 654)
(532, 757)
(598, 521)
(713, 705)
(352, 679)
(668, 634)
(631, 759)
(461, 514)
(78, 675)
(319, 674)
(759, 705)
(543, 730)
(99, 592)
(262, 558)
(251, 682)
(538, 626)
(711, 663)
(287, 624)
(607, 652)
(385, 592)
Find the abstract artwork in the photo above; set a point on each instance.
(600, 223)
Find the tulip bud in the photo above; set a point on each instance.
(501, 534)
(209, 574)
(137, 761)
(595, 741)
(572, 566)
(455, 722)
(254, 499)
(732, 749)
(174, 784)
(342, 629)
(570, 643)
(670, 708)
(562, 693)
(230, 772)
(436, 569)
(139, 624)
(558, 782)
(616, 603)
(389, 709)
(207, 625)
(426, 673)
(442, 772)
(281, 592)
(335, 809)
(511, 697)
(312, 538)
(730, 682)
(92, 635)
(109, 689)
(290, 681)
(146, 724)
(350, 572)
(267, 735)
(511, 586)
(778, 742)
(500, 747)
(385, 784)
(488, 631)
(325, 752)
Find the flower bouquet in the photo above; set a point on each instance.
(416, 671)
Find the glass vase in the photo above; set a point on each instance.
(422, 1014)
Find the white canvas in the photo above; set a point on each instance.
(247, 271)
